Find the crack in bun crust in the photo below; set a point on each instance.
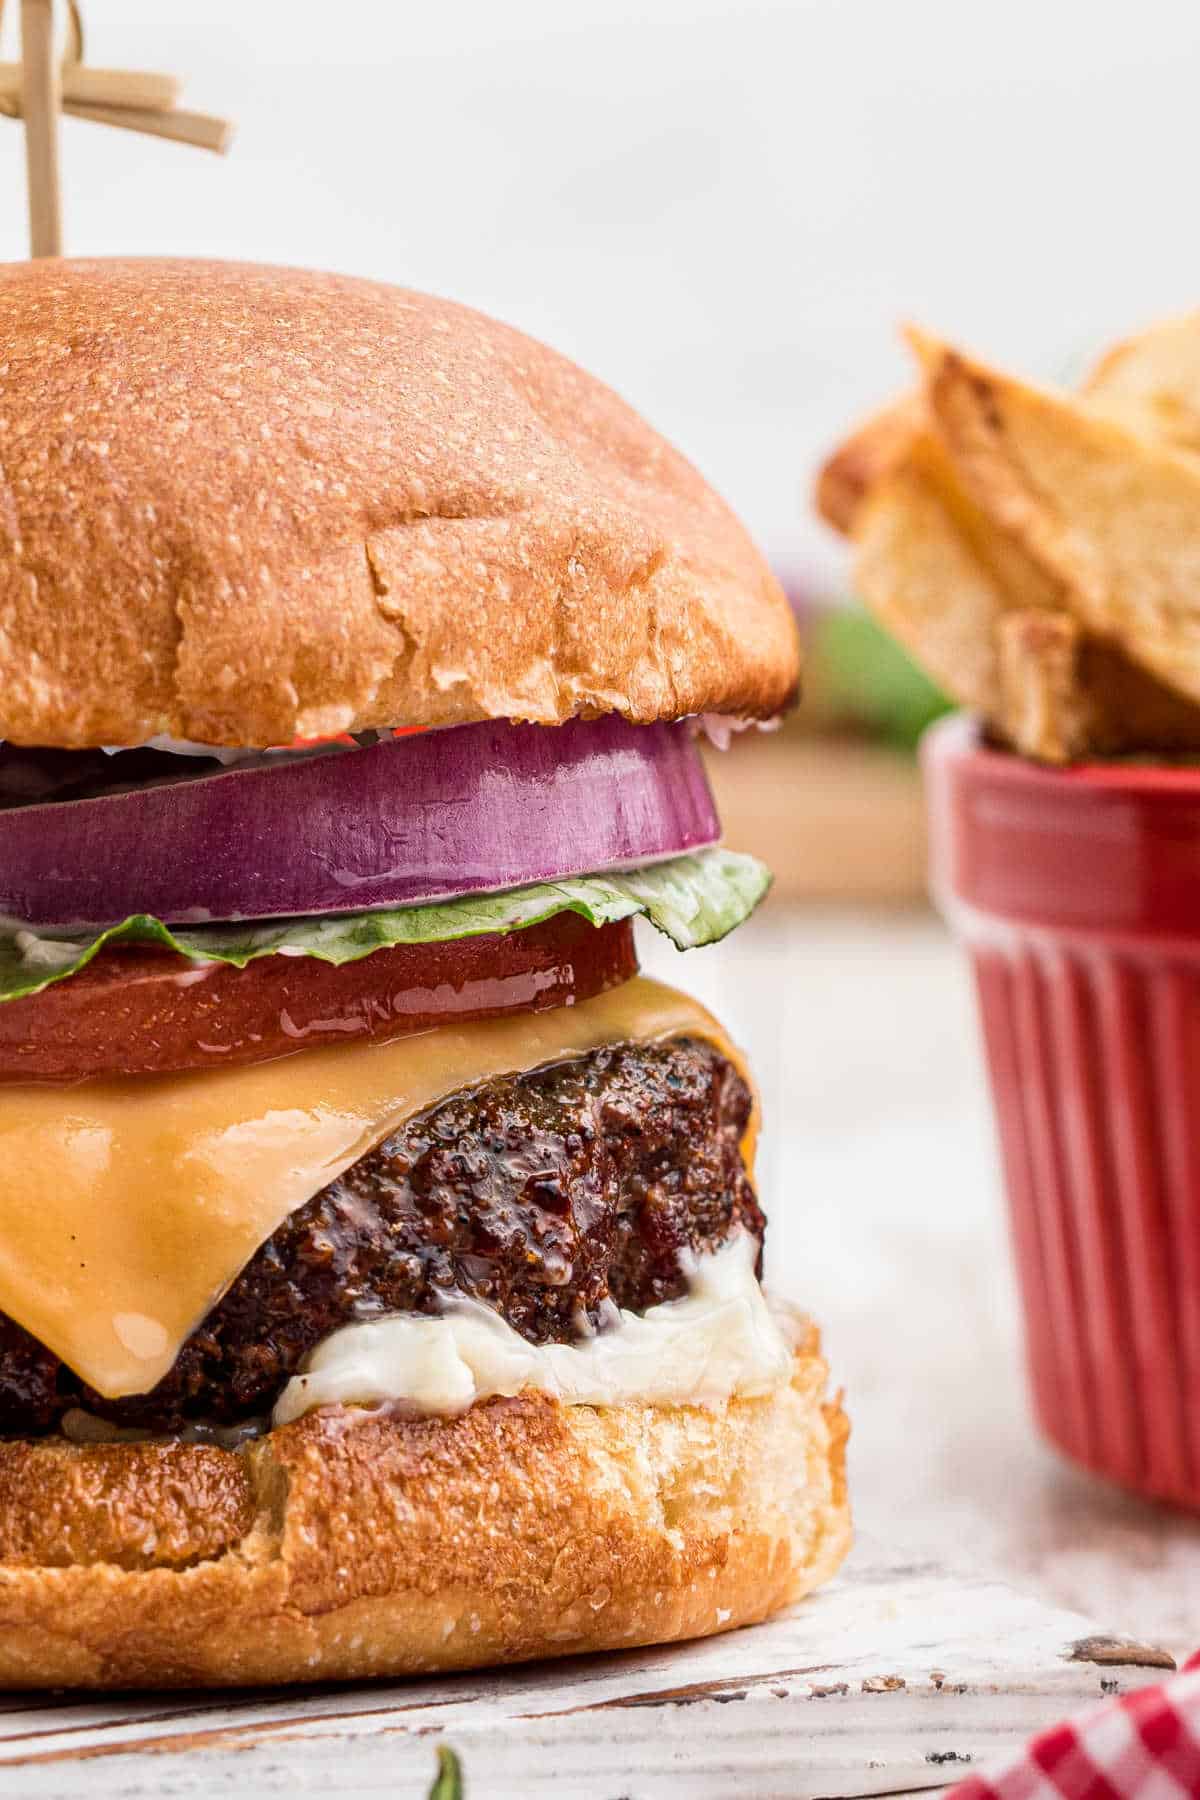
(241, 504)
(356, 1544)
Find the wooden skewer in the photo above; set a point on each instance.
(184, 127)
(104, 87)
(38, 87)
(39, 105)
(119, 87)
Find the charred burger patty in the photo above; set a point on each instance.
(550, 1195)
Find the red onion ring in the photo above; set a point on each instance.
(474, 809)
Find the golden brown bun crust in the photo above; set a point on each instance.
(354, 1544)
(243, 504)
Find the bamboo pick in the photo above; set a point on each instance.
(104, 87)
(205, 132)
(37, 88)
(39, 105)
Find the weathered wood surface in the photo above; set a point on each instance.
(898, 1677)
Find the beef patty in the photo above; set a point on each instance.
(549, 1195)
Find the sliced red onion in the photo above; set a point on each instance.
(426, 817)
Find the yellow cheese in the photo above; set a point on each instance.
(128, 1206)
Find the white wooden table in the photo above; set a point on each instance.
(989, 1580)
(896, 1678)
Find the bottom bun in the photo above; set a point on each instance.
(358, 1543)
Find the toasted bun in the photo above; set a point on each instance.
(355, 1544)
(240, 505)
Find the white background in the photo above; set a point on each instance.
(722, 208)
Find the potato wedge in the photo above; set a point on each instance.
(1065, 695)
(989, 620)
(1045, 709)
(1151, 383)
(867, 456)
(919, 574)
(1109, 516)
(950, 588)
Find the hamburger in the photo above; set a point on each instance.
(379, 1252)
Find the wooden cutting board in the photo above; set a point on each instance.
(899, 1677)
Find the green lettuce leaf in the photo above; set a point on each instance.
(693, 899)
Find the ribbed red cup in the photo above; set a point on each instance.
(1078, 894)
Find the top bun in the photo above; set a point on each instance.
(240, 505)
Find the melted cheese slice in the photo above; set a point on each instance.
(128, 1206)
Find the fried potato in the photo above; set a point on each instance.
(1045, 709)
(956, 565)
(868, 455)
(920, 576)
(1108, 515)
(950, 588)
(1065, 695)
(1134, 710)
(1151, 383)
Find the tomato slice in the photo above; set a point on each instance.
(136, 1010)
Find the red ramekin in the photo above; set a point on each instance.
(1077, 892)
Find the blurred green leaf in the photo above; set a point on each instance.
(448, 1782)
(864, 675)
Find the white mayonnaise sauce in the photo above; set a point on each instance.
(720, 1339)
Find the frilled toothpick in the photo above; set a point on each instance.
(41, 86)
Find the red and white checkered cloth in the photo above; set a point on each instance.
(1143, 1746)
